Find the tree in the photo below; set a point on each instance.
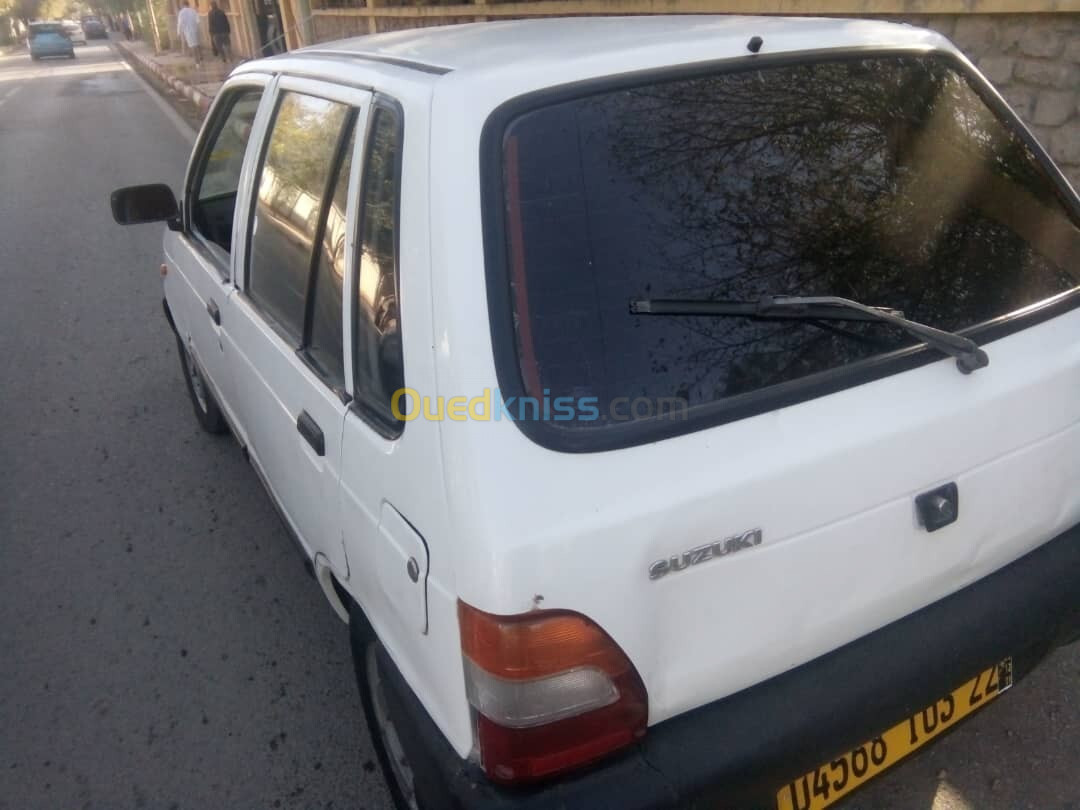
(25, 10)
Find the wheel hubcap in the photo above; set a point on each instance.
(197, 386)
(399, 763)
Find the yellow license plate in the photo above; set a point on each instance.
(828, 783)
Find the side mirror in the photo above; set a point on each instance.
(151, 203)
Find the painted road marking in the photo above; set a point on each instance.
(9, 94)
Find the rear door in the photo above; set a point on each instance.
(291, 368)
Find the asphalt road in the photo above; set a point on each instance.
(160, 643)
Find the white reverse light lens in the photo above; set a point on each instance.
(537, 701)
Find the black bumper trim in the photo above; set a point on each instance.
(737, 752)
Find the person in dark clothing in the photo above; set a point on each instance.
(218, 23)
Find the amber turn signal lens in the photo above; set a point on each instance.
(536, 644)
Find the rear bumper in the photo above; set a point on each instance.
(737, 752)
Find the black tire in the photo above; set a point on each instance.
(202, 400)
(416, 785)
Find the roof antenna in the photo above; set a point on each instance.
(754, 45)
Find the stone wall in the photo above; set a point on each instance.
(1034, 60)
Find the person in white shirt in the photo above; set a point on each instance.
(187, 27)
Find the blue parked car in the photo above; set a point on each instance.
(49, 39)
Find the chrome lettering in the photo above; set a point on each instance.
(709, 551)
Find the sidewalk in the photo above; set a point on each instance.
(198, 83)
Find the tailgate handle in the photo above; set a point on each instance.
(311, 432)
(215, 313)
(939, 507)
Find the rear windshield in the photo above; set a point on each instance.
(50, 28)
(883, 179)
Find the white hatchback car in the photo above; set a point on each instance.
(680, 410)
(74, 32)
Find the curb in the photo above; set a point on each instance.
(197, 97)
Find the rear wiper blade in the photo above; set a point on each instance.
(821, 308)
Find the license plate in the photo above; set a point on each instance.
(830, 782)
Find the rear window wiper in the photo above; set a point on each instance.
(820, 308)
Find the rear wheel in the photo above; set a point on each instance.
(412, 778)
(206, 408)
(381, 724)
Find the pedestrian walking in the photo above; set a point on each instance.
(219, 32)
(273, 34)
(187, 26)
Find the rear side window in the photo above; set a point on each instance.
(884, 179)
(291, 185)
(378, 349)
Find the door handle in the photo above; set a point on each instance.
(311, 432)
(215, 313)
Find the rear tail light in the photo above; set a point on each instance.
(551, 692)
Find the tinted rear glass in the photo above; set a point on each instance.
(884, 179)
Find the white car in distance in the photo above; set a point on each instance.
(74, 32)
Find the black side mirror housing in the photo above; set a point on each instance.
(135, 205)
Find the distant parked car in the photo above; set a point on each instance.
(49, 39)
(94, 27)
(74, 32)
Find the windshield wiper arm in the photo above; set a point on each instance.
(821, 308)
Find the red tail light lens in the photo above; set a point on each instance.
(551, 691)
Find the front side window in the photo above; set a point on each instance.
(291, 184)
(378, 349)
(213, 198)
(884, 179)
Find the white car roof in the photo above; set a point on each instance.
(468, 70)
(543, 43)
